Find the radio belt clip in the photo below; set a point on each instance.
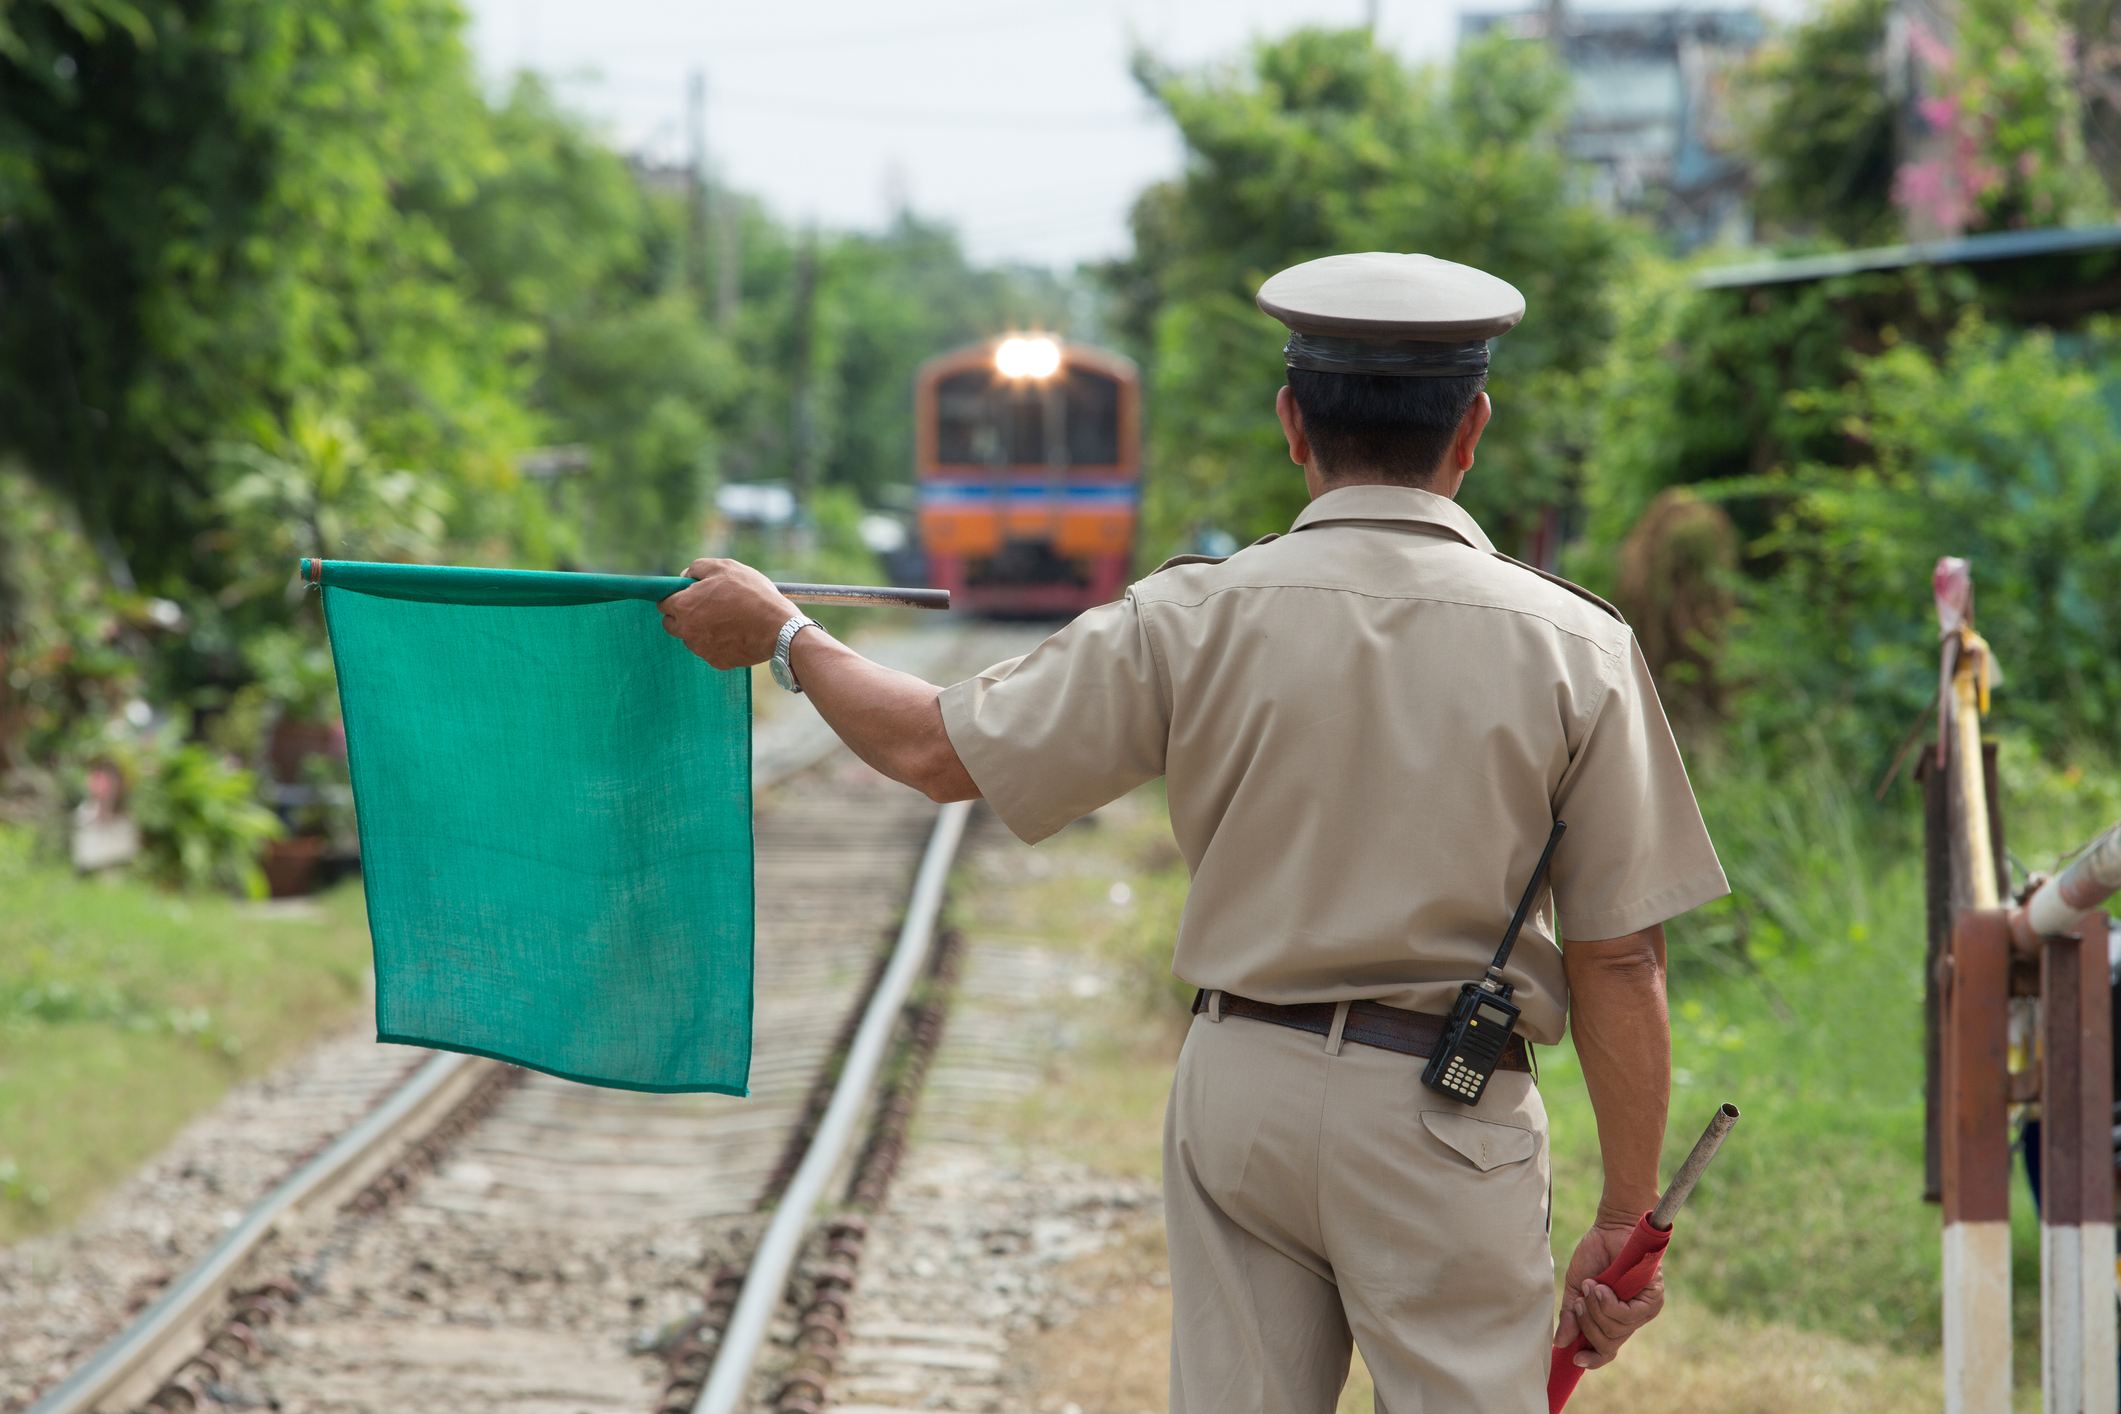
(1484, 1018)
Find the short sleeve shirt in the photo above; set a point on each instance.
(1367, 728)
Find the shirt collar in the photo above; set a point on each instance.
(1405, 503)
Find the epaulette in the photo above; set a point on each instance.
(1209, 559)
(1576, 589)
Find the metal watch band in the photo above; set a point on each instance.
(783, 670)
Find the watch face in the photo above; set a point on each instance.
(782, 674)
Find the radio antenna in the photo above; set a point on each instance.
(1524, 906)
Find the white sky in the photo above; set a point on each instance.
(1015, 120)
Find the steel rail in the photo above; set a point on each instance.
(766, 1280)
(198, 1294)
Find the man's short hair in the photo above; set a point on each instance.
(1394, 428)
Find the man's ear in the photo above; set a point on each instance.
(1292, 426)
(1470, 427)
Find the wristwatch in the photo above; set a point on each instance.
(782, 673)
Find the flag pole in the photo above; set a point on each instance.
(858, 595)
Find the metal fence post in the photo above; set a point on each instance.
(2077, 1325)
(1977, 1230)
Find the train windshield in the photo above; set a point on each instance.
(983, 420)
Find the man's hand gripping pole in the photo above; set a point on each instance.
(1631, 1271)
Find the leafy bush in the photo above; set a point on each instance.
(2000, 450)
(1822, 126)
(201, 825)
(59, 625)
(312, 487)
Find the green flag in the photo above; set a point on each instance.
(554, 800)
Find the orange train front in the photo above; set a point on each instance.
(1027, 453)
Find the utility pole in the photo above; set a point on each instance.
(696, 183)
(728, 253)
(801, 425)
(1370, 8)
(1557, 17)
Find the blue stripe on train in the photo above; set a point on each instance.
(959, 495)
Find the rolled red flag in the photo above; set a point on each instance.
(1628, 1273)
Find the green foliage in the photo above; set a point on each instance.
(217, 217)
(1697, 384)
(314, 489)
(2000, 450)
(1821, 126)
(879, 306)
(201, 825)
(1999, 131)
(562, 242)
(2008, 118)
(60, 626)
(291, 669)
(1813, 1214)
(1325, 143)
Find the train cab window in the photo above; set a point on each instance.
(964, 419)
(1093, 418)
(977, 415)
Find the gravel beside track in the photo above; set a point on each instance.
(63, 1295)
(969, 1257)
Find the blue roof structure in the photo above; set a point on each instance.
(1961, 250)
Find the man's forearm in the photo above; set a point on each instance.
(890, 719)
(1624, 1040)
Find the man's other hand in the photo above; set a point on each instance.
(731, 617)
(1596, 1309)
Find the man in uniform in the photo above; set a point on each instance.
(1367, 727)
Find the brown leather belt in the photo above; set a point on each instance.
(1391, 1028)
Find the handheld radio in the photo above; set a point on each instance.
(1484, 1018)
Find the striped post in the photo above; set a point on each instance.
(2077, 1326)
(1977, 1230)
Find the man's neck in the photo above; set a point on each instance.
(1433, 485)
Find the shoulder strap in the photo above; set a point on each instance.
(1209, 559)
(1576, 589)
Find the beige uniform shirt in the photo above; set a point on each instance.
(1367, 728)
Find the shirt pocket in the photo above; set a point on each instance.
(1482, 1143)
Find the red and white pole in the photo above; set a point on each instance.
(1977, 1165)
(2077, 1326)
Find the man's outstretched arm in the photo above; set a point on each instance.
(890, 719)
(1624, 1039)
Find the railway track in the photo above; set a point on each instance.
(489, 1238)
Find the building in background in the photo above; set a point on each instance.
(1655, 108)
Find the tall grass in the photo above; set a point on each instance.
(1799, 998)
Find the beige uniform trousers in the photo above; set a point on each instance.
(1314, 1197)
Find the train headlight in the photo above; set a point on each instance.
(1027, 358)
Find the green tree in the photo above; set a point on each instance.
(209, 216)
(559, 238)
(879, 305)
(1999, 449)
(1822, 133)
(1322, 142)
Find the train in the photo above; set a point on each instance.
(1027, 470)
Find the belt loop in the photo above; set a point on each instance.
(1215, 1006)
(1340, 1024)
